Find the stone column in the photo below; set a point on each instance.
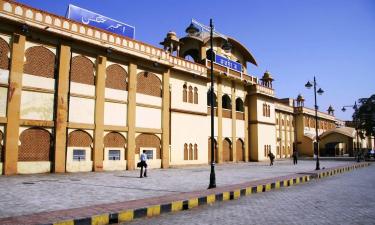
(62, 109)
(13, 104)
(219, 120)
(98, 154)
(234, 144)
(247, 145)
(132, 89)
(165, 121)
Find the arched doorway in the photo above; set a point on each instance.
(209, 150)
(79, 152)
(114, 151)
(240, 154)
(151, 144)
(227, 150)
(34, 154)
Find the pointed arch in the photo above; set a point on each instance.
(227, 150)
(116, 77)
(149, 84)
(40, 61)
(195, 152)
(82, 70)
(186, 152)
(190, 152)
(209, 99)
(240, 150)
(35, 145)
(190, 94)
(4, 52)
(239, 105)
(184, 93)
(227, 104)
(195, 95)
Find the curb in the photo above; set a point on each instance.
(191, 200)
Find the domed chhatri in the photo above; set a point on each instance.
(300, 100)
(330, 110)
(267, 79)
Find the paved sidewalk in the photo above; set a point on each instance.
(28, 194)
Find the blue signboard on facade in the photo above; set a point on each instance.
(96, 20)
(228, 63)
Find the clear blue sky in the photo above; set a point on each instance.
(293, 39)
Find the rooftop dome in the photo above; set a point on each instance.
(300, 98)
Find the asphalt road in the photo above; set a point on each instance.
(347, 198)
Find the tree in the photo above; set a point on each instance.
(365, 115)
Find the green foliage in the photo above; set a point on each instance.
(364, 116)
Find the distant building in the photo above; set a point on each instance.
(77, 98)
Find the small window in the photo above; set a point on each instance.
(79, 155)
(150, 154)
(114, 154)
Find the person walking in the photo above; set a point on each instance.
(143, 163)
(295, 157)
(272, 157)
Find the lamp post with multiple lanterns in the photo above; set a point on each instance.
(308, 85)
(193, 30)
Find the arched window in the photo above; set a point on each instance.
(264, 109)
(268, 111)
(82, 70)
(35, 145)
(195, 152)
(184, 93)
(190, 152)
(116, 77)
(4, 51)
(190, 96)
(209, 99)
(40, 61)
(239, 105)
(195, 95)
(149, 141)
(186, 153)
(148, 84)
(226, 102)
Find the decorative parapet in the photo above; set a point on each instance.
(259, 89)
(283, 107)
(71, 29)
(311, 112)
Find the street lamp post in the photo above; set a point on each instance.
(356, 123)
(193, 30)
(316, 145)
(212, 173)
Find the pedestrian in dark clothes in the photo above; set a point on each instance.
(272, 157)
(295, 157)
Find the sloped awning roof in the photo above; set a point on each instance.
(310, 136)
(347, 131)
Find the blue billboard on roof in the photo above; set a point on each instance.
(96, 20)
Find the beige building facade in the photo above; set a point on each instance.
(76, 98)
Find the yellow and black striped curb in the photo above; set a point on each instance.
(174, 206)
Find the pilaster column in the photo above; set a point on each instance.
(219, 120)
(247, 144)
(165, 121)
(98, 154)
(132, 88)
(13, 104)
(62, 109)
(234, 144)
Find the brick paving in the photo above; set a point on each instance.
(346, 198)
(40, 193)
